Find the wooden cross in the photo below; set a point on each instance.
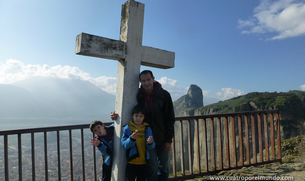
(130, 55)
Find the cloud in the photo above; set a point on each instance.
(284, 18)
(171, 86)
(228, 93)
(302, 87)
(205, 93)
(14, 71)
(167, 82)
(107, 84)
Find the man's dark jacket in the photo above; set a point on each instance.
(159, 113)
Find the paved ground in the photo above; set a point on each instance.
(272, 171)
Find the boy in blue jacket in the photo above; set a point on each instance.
(137, 140)
(104, 142)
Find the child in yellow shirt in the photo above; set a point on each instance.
(137, 140)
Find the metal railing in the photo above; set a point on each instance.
(36, 154)
(210, 143)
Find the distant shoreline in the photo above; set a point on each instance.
(25, 123)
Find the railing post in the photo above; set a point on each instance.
(234, 142)
(247, 139)
(253, 140)
(189, 145)
(219, 144)
(272, 136)
(33, 156)
(71, 153)
(205, 145)
(46, 155)
(227, 142)
(212, 144)
(83, 153)
(279, 151)
(94, 161)
(58, 155)
(260, 140)
(240, 131)
(181, 148)
(6, 168)
(198, 145)
(20, 157)
(266, 138)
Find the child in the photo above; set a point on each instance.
(137, 140)
(104, 141)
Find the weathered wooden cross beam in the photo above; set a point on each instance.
(130, 55)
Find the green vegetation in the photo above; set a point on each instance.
(260, 101)
(290, 104)
(293, 149)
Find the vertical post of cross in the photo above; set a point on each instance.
(132, 17)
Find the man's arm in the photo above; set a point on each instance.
(170, 121)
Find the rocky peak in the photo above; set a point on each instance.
(195, 94)
(186, 104)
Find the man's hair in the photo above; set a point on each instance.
(95, 123)
(146, 72)
(138, 109)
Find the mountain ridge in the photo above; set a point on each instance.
(54, 98)
(290, 104)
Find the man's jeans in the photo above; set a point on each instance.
(158, 171)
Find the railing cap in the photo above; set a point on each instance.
(227, 114)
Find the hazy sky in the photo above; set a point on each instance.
(227, 48)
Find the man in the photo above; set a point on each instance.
(160, 117)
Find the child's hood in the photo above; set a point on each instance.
(131, 124)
